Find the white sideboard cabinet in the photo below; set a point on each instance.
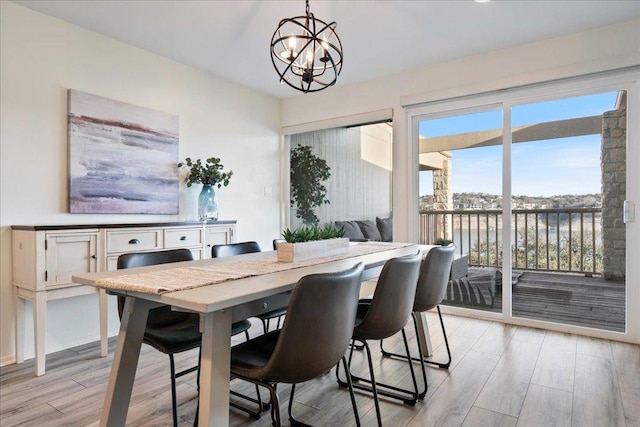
(45, 258)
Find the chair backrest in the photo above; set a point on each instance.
(161, 316)
(276, 242)
(218, 251)
(392, 302)
(434, 278)
(318, 326)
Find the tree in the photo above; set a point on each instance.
(308, 172)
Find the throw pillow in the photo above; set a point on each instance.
(385, 226)
(369, 229)
(351, 229)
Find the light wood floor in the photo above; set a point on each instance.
(500, 376)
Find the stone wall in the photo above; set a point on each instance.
(614, 166)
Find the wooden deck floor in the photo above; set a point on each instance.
(564, 298)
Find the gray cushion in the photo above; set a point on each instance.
(385, 226)
(351, 229)
(369, 229)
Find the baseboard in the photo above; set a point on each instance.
(8, 360)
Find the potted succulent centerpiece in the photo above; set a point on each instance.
(209, 174)
(312, 242)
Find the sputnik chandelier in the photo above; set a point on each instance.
(306, 52)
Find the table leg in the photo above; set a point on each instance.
(125, 362)
(215, 368)
(103, 309)
(423, 330)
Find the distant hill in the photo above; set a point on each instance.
(487, 201)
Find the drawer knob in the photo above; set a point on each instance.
(265, 305)
(183, 238)
(94, 257)
(134, 242)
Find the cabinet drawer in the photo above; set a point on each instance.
(182, 238)
(133, 241)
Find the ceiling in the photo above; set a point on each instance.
(230, 39)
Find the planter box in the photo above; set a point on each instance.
(294, 252)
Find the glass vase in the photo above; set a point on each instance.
(208, 204)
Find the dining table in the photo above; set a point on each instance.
(222, 291)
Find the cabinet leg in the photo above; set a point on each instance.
(20, 313)
(104, 309)
(39, 327)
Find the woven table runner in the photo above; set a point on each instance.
(182, 278)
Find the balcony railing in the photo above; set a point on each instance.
(559, 240)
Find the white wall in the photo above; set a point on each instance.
(598, 50)
(41, 58)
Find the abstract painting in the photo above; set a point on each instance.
(122, 158)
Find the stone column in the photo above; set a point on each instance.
(443, 196)
(614, 167)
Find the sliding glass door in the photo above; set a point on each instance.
(533, 189)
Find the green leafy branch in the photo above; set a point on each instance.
(209, 173)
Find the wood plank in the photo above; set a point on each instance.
(594, 347)
(627, 359)
(483, 417)
(596, 399)
(545, 406)
(462, 386)
(507, 386)
(631, 404)
(556, 362)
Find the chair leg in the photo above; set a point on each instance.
(374, 389)
(275, 405)
(292, 420)
(438, 364)
(174, 403)
(422, 394)
(446, 343)
(351, 394)
(408, 397)
(258, 401)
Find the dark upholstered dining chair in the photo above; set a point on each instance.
(246, 248)
(323, 303)
(384, 315)
(168, 331)
(430, 291)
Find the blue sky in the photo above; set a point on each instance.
(539, 168)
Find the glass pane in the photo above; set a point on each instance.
(568, 186)
(461, 202)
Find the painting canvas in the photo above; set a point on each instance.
(122, 158)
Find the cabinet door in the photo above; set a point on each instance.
(67, 254)
(217, 235)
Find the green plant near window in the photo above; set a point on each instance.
(308, 234)
(308, 172)
(209, 173)
(443, 242)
